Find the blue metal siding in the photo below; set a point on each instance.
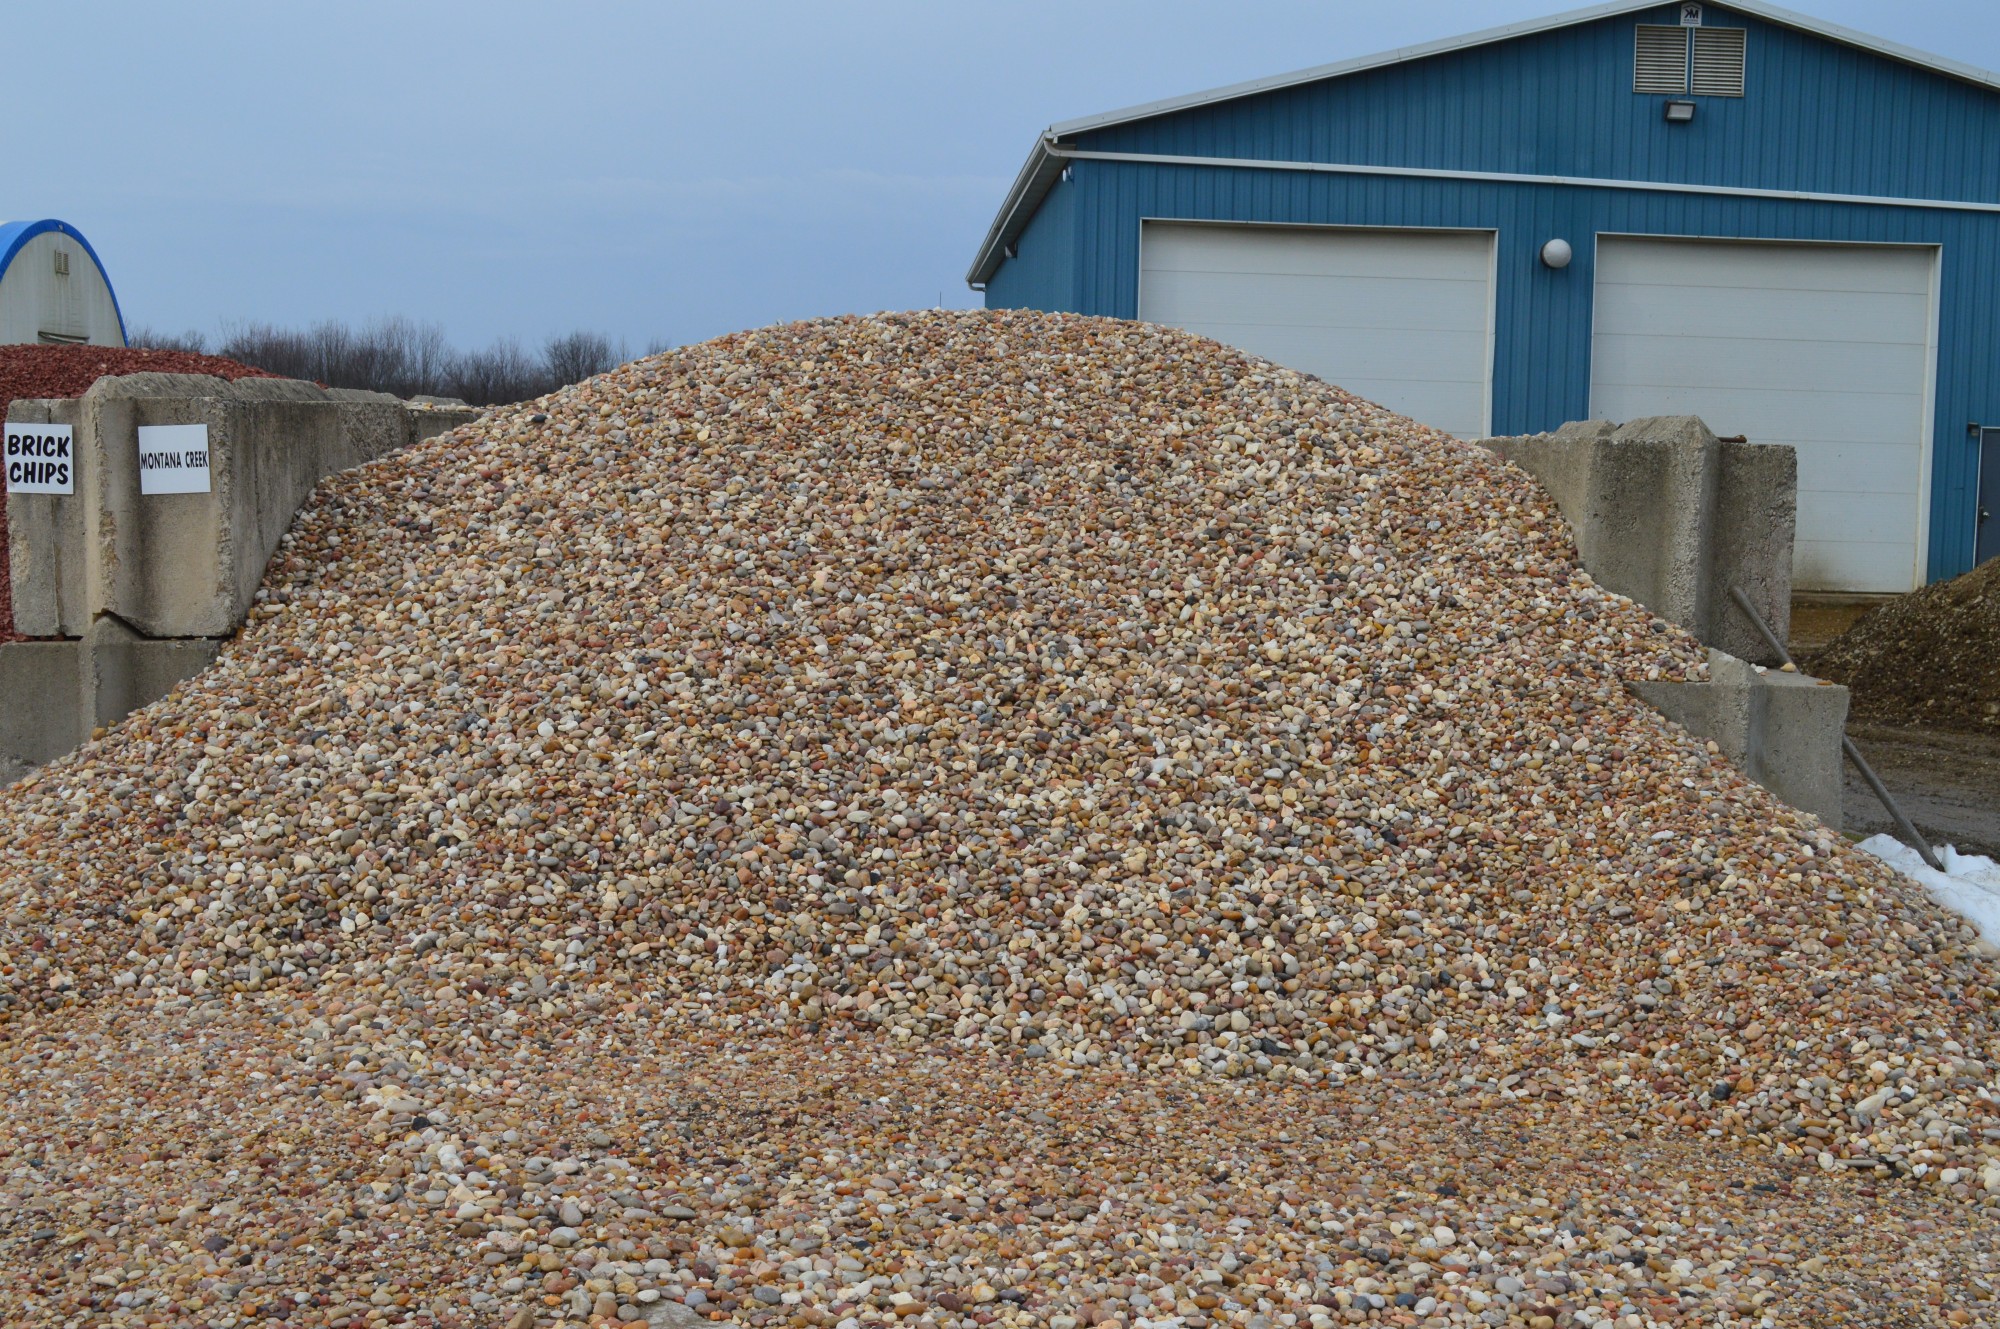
(1541, 373)
(1045, 274)
(1817, 117)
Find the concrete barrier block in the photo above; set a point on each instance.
(123, 671)
(1797, 751)
(428, 418)
(1657, 477)
(58, 692)
(151, 559)
(41, 718)
(188, 565)
(369, 429)
(276, 389)
(45, 537)
(1756, 515)
(150, 583)
(1665, 513)
(1781, 730)
(1638, 499)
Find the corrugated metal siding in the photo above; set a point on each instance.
(1542, 352)
(33, 299)
(1816, 116)
(1046, 274)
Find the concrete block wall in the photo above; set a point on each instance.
(1668, 514)
(1665, 512)
(41, 682)
(58, 693)
(186, 565)
(145, 587)
(45, 548)
(1782, 730)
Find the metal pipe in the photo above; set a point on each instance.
(1909, 831)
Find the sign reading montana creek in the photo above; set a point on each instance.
(40, 459)
(173, 459)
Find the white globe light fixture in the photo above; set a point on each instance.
(1556, 253)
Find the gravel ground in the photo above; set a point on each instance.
(875, 820)
(808, 1181)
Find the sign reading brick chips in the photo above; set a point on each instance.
(40, 459)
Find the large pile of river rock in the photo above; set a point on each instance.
(964, 819)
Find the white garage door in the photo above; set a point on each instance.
(1824, 347)
(1404, 318)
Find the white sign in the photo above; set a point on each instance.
(41, 459)
(1690, 16)
(173, 459)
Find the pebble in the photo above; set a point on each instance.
(963, 818)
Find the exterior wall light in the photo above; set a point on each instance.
(1679, 113)
(1556, 254)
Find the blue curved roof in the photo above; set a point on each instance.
(15, 234)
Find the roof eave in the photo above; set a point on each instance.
(1378, 60)
(1506, 32)
(1031, 185)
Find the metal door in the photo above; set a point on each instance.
(1986, 539)
(1826, 348)
(1404, 318)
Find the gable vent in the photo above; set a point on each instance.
(1718, 62)
(1661, 60)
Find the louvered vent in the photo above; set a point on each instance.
(1661, 62)
(1718, 62)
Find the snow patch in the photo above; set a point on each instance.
(1969, 884)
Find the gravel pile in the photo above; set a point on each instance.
(964, 819)
(1931, 657)
(68, 371)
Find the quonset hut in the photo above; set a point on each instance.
(53, 289)
(1726, 210)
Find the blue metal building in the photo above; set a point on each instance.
(1786, 227)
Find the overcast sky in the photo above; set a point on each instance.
(657, 171)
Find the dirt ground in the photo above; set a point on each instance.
(1948, 784)
(1818, 619)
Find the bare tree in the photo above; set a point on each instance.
(429, 360)
(576, 356)
(408, 359)
(279, 350)
(501, 373)
(152, 339)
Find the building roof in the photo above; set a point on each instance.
(14, 235)
(1038, 175)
